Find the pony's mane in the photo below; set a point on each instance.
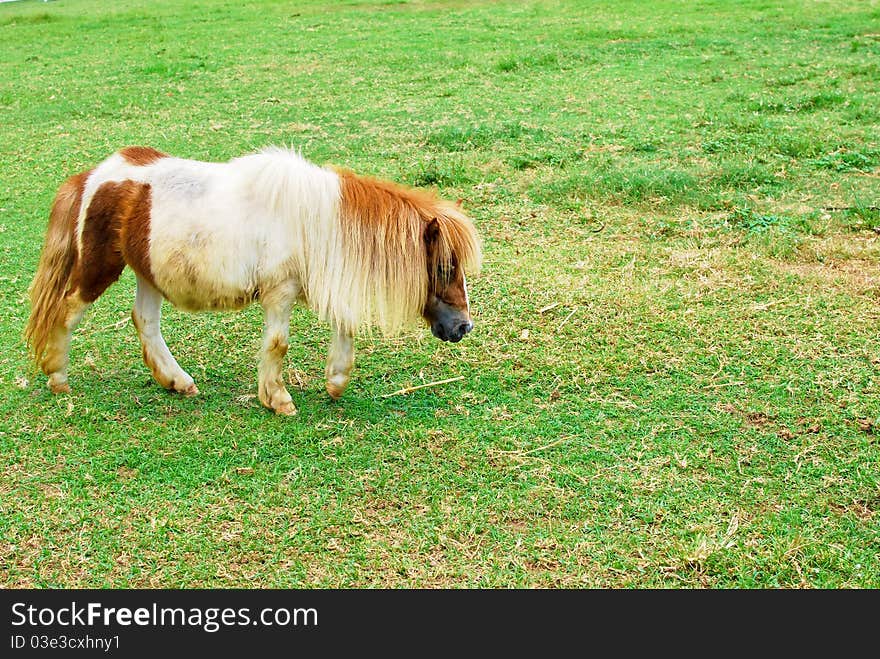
(382, 226)
(364, 259)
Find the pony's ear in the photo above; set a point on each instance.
(432, 232)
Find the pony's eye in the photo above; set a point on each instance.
(445, 272)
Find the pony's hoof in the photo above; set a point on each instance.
(336, 387)
(191, 390)
(59, 387)
(287, 409)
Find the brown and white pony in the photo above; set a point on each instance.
(269, 227)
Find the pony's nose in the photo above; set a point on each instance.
(460, 330)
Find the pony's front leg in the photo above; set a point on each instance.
(277, 305)
(146, 317)
(339, 363)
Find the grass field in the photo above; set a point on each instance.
(674, 380)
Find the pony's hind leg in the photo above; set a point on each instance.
(339, 363)
(146, 317)
(57, 356)
(98, 268)
(277, 304)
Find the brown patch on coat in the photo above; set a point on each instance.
(115, 232)
(141, 155)
(57, 262)
(135, 231)
(100, 262)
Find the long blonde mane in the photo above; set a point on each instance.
(385, 280)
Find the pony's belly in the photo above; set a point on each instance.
(206, 294)
(197, 301)
(206, 276)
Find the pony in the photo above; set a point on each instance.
(268, 227)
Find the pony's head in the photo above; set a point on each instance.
(406, 253)
(447, 308)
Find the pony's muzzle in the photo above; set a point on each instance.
(454, 333)
(448, 323)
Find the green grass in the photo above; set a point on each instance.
(674, 380)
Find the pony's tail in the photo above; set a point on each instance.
(57, 260)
